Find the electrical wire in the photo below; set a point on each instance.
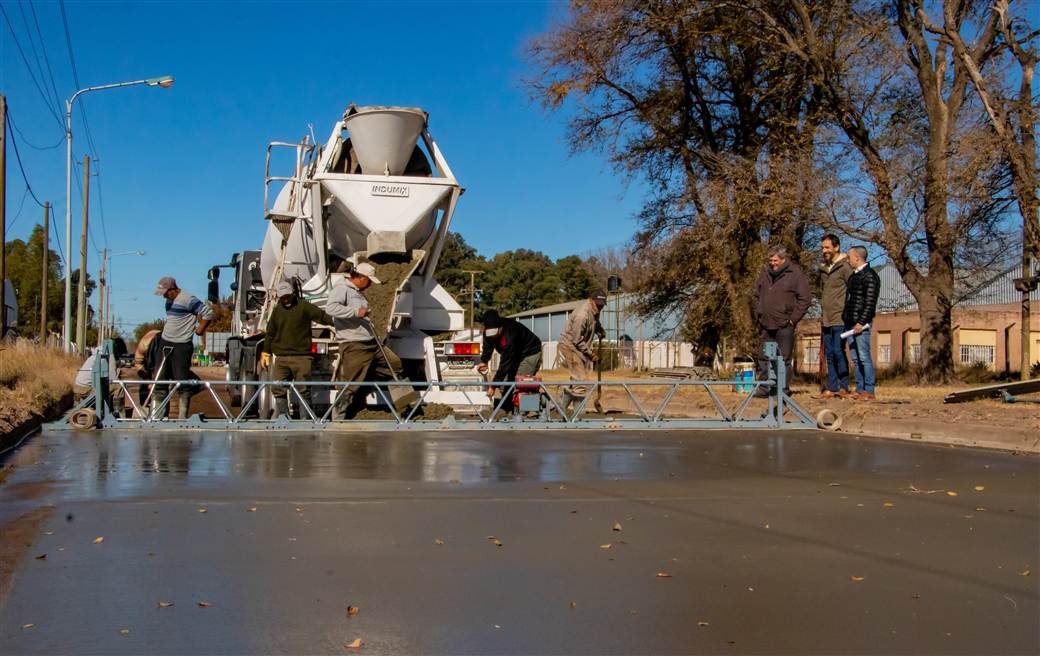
(86, 124)
(26, 140)
(36, 56)
(25, 178)
(21, 204)
(46, 59)
(28, 67)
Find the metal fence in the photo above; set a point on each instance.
(545, 407)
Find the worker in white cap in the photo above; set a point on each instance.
(576, 345)
(359, 356)
(177, 338)
(287, 345)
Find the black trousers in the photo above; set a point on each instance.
(177, 365)
(784, 339)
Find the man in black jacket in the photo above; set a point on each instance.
(861, 297)
(520, 350)
(780, 299)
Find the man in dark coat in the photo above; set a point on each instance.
(780, 299)
(861, 299)
(519, 350)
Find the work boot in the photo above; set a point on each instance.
(281, 407)
(183, 399)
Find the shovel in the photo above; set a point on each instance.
(599, 377)
(400, 396)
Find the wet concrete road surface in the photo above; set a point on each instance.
(768, 543)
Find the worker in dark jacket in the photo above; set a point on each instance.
(861, 299)
(519, 350)
(288, 339)
(780, 299)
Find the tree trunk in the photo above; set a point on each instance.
(936, 363)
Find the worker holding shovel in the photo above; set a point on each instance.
(360, 355)
(577, 347)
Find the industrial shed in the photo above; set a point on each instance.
(643, 343)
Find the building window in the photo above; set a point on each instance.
(974, 353)
(812, 353)
(884, 354)
(915, 353)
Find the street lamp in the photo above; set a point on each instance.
(106, 297)
(164, 82)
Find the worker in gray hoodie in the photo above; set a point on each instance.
(834, 277)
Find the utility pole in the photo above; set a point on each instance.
(81, 300)
(46, 270)
(472, 295)
(3, 216)
(102, 295)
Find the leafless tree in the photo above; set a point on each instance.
(1013, 118)
(720, 124)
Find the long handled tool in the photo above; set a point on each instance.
(401, 396)
(599, 376)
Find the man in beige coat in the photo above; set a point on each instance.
(577, 346)
(834, 277)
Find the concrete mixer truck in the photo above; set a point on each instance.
(378, 190)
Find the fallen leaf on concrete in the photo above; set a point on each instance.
(834, 484)
(164, 604)
(204, 604)
(253, 509)
(916, 490)
(202, 510)
(498, 543)
(857, 579)
(42, 557)
(573, 604)
(702, 623)
(980, 488)
(99, 540)
(1024, 573)
(951, 493)
(574, 512)
(563, 487)
(980, 509)
(664, 575)
(124, 632)
(491, 537)
(438, 542)
(888, 504)
(299, 509)
(617, 526)
(352, 610)
(28, 626)
(356, 644)
(605, 546)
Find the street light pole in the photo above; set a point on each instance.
(164, 82)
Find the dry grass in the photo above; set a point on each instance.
(33, 379)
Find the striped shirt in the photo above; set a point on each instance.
(180, 317)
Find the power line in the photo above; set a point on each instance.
(28, 67)
(46, 59)
(83, 118)
(26, 140)
(25, 178)
(32, 47)
(21, 204)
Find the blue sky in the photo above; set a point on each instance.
(182, 169)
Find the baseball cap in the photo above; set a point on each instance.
(367, 270)
(598, 297)
(283, 289)
(166, 283)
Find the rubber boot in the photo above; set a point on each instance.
(281, 407)
(183, 399)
